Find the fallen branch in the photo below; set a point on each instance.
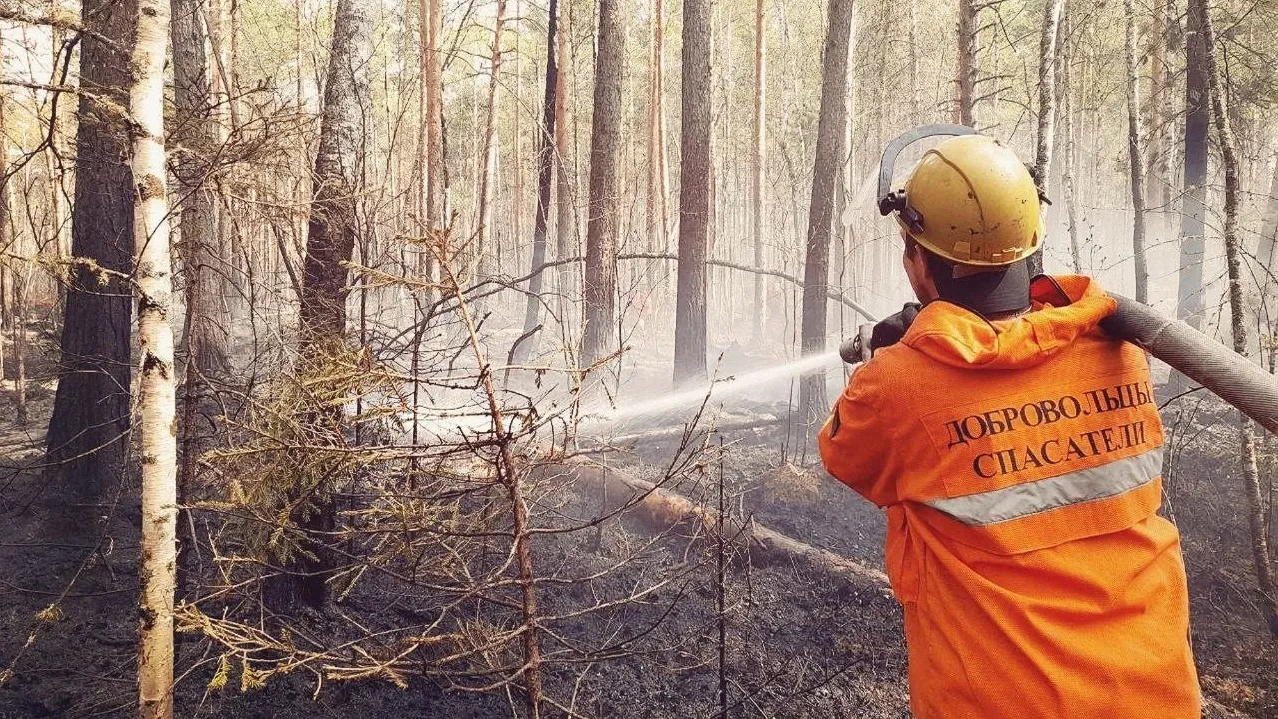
(680, 431)
(663, 509)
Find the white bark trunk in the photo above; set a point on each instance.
(155, 391)
(1047, 90)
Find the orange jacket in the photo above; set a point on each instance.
(1019, 463)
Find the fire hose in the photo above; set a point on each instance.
(1243, 384)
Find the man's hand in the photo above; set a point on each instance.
(891, 330)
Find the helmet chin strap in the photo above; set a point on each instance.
(890, 200)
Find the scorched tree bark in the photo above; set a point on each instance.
(86, 439)
(694, 196)
(599, 282)
(545, 179)
(333, 227)
(830, 148)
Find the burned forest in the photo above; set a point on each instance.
(509, 358)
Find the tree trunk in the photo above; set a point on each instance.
(1267, 247)
(158, 562)
(1156, 183)
(488, 169)
(658, 214)
(1135, 157)
(694, 195)
(830, 148)
(756, 165)
(10, 310)
(1233, 258)
(195, 130)
(86, 440)
(1189, 306)
(599, 281)
(21, 285)
(332, 230)
(1066, 90)
(565, 181)
(431, 137)
(545, 177)
(1048, 61)
(916, 113)
(967, 68)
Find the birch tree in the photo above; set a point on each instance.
(154, 280)
(1065, 88)
(1043, 145)
(966, 67)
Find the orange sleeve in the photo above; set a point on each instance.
(856, 440)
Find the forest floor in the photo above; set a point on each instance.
(799, 643)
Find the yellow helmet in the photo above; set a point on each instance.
(972, 201)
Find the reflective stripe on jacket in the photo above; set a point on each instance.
(1019, 463)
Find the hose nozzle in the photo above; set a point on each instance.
(857, 349)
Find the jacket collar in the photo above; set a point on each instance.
(1063, 309)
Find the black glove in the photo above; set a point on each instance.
(891, 330)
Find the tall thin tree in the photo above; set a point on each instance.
(1265, 579)
(830, 148)
(156, 400)
(1157, 110)
(1065, 88)
(195, 129)
(566, 239)
(966, 67)
(599, 281)
(545, 178)
(433, 174)
(756, 164)
(1193, 227)
(1135, 156)
(694, 195)
(658, 214)
(332, 231)
(1267, 246)
(488, 170)
(1048, 61)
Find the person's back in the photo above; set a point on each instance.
(1017, 450)
(1019, 464)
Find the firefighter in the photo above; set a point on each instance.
(1017, 451)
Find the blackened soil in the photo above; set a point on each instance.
(798, 644)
